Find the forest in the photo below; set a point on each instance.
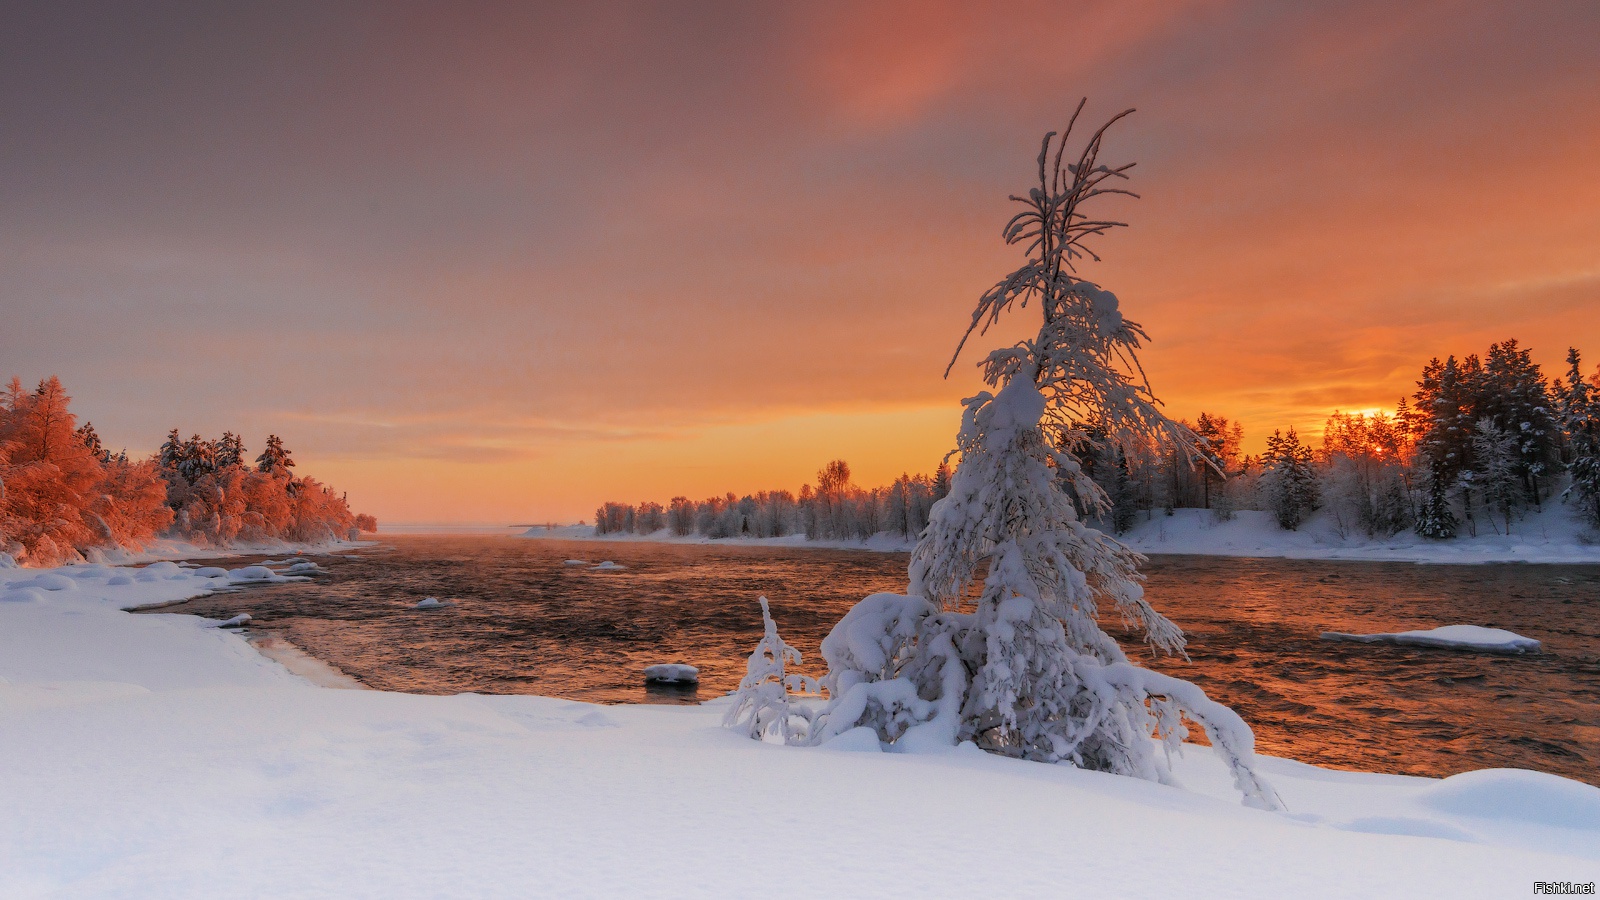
(1476, 444)
(64, 496)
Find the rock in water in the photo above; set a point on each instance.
(672, 673)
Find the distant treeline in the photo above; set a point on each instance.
(1478, 443)
(64, 495)
(834, 509)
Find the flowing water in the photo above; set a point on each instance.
(525, 621)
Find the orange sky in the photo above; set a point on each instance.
(503, 262)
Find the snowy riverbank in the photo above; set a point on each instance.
(1548, 536)
(161, 756)
(1551, 535)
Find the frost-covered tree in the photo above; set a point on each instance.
(1288, 479)
(91, 441)
(275, 458)
(761, 704)
(1580, 419)
(999, 641)
(1498, 479)
(230, 451)
(1514, 396)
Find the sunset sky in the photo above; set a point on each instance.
(498, 263)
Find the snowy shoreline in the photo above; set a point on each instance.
(1549, 537)
(132, 739)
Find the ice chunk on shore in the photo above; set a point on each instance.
(236, 621)
(608, 566)
(1459, 637)
(672, 673)
(432, 603)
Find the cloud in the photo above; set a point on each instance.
(520, 230)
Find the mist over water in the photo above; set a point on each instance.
(526, 622)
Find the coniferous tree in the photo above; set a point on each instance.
(1580, 419)
(275, 458)
(1211, 461)
(1124, 495)
(1289, 480)
(91, 441)
(1497, 478)
(1516, 398)
(230, 451)
(1025, 669)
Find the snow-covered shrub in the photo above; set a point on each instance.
(761, 705)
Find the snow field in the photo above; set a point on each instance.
(155, 756)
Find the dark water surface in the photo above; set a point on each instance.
(527, 623)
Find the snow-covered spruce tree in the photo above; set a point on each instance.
(1580, 419)
(1288, 480)
(1497, 452)
(1024, 669)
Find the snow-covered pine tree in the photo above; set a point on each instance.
(230, 451)
(1024, 668)
(1580, 419)
(91, 442)
(275, 458)
(1516, 397)
(1288, 479)
(1124, 495)
(197, 459)
(171, 451)
(1498, 480)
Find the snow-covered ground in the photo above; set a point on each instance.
(160, 756)
(1551, 535)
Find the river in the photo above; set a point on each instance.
(524, 621)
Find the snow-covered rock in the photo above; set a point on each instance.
(432, 603)
(1458, 637)
(211, 572)
(236, 621)
(160, 570)
(253, 573)
(672, 673)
